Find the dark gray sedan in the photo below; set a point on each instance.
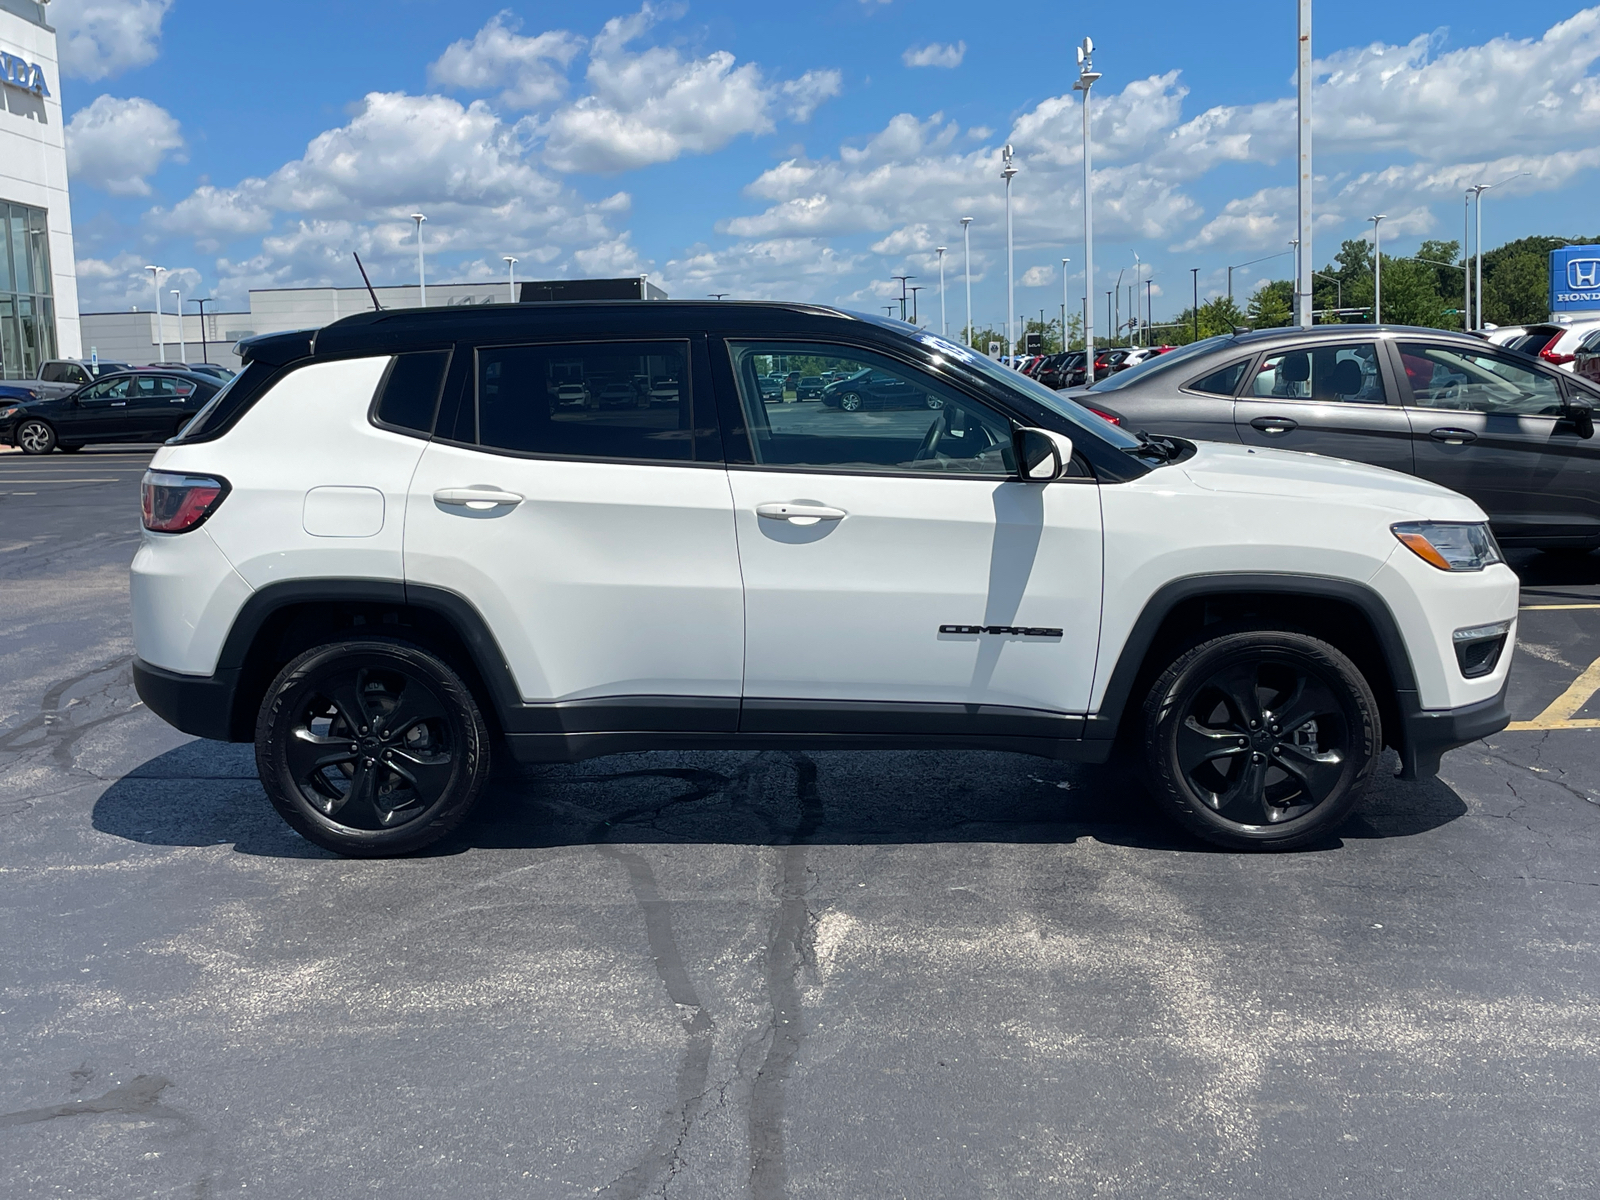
(1509, 431)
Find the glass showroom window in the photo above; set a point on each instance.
(27, 312)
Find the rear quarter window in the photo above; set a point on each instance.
(409, 395)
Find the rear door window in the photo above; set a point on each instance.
(606, 400)
(1324, 374)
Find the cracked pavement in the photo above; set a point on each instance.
(769, 975)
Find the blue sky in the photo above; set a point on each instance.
(796, 151)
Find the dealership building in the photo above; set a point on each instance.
(38, 277)
(142, 337)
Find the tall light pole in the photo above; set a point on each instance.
(1195, 311)
(966, 238)
(1006, 173)
(1302, 286)
(1479, 189)
(511, 278)
(422, 279)
(161, 334)
(1466, 261)
(183, 345)
(1377, 269)
(1064, 263)
(914, 292)
(204, 356)
(1086, 80)
(904, 279)
(1133, 296)
(944, 321)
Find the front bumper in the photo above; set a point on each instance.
(1429, 733)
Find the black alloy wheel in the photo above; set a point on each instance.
(850, 401)
(371, 748)
(35, 437)
(1261, 739)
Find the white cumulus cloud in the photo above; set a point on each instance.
(935, 54)
(100, 38)
(529, 72)
(116, 144)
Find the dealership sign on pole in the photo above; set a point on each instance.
(1575, 279)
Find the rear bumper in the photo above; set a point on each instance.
(197, 704)
(1428, 734)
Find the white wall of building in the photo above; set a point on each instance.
(130, 337)
(33, 155)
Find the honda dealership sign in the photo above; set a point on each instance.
(19, 72)
(1575, 279)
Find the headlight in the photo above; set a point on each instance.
(1450, 545)
(10, 411)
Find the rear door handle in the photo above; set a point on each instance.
(1453, 437)
(479, 498)
(1274, 424)
(800, 512)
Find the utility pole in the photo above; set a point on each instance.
(944, 320)
(1195, 311)
(1087, 76)
(1006, 173)
(202, 303)
(903, 296)
(966, 237)
(422, 279)
(1377, 269)
(1302, 286)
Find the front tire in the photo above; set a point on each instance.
(850, 402)
(35, 437)
(371, 748)
(1260, 740)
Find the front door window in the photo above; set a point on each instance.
(1453, 377)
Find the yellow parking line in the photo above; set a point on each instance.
(1559, 715)
(1554, 607)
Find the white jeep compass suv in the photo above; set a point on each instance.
(394, 541)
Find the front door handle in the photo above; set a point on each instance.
(1453, 437)
(479, 498)
(1274, 424)
(800, 512)
(119, 404)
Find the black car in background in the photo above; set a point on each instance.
(810, 387)
(131, 406)
(867, 388)
(1512, 432)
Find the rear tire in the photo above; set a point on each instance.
(1260, 740)
(371, 748)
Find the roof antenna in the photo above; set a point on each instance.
(366, 281)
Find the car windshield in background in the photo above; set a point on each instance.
(1160, 364)
(1033, 389)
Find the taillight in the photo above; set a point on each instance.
(176, 503)
(1103, 415)
(1552, 356)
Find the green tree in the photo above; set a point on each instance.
(1272, 306)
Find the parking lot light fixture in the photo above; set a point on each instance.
(1087, 76)
(183, 345)
(1377, 268)
(944, 323)
(966, 269)
(1006, 173)
(1195, 311)
(1303, 81)
(161, 334)
(511, 278)
(1478, 190)
(422, 279)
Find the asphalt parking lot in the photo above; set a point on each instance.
(722, 975)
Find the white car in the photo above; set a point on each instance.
(388, 543)
(1557, 342)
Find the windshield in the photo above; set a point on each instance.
(1161, 363)
(1018, 382)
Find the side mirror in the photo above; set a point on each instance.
(1041, 455)
(1581, 414)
